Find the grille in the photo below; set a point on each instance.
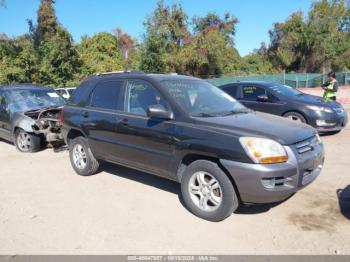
(306, 145)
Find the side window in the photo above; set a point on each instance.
(272, 98)
(231, 90)
(252, 92)
(140, 95)
(106, 95)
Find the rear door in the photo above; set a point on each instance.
(99, 118)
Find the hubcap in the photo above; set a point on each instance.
(205, 191)
(294, 118)
(79, 156)
(24, 141)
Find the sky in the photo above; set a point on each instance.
(87, 17)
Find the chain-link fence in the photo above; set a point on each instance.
(296, 80)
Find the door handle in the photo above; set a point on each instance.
(86, 114)
(124, 122)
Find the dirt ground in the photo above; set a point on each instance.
(46, 209)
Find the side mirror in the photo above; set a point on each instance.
(262, 98)
(159, 112)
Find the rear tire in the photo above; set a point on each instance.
(26, 142)
(207, 191)
(295, 116)
(83, 161)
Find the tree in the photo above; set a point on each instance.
(58, 60)
(166, 33)
(99, 53)
(18, 62)
(312, 43)
(128, 48)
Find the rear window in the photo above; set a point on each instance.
(252, 92)
(106, 95)
(231, 90)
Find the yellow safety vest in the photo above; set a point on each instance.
(329, 91)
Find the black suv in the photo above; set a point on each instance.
(185, 129)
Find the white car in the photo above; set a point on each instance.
(65, 92)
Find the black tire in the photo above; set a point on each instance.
(229, 200)
(91, 164)
(296, 116)
(26, 142)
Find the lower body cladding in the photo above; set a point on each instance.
(268, 183)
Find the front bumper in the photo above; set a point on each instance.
(268, 183)
(334, 121)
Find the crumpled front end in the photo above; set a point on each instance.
(47, 123)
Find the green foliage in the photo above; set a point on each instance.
(99, 53)
(18, 62)
(315, 43)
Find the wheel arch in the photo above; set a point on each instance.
(192, 157)
(296, 111)
(74, 133)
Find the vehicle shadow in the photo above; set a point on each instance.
(141, 177)
(344, 201)
(174, 187)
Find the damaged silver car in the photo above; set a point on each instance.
(30, 116)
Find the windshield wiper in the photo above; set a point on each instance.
(233, 112)
(203, 114)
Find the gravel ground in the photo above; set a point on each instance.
(46, 209)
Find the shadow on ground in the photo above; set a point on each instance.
(344, 201)
(173, 187)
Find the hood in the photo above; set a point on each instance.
(259, 124)
(316, 100)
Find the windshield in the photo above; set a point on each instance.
(201, 99)
(32, 99)
(285, 90)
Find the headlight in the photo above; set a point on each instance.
(264, 151)
(320, 108)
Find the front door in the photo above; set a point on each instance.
(250, 98)
(147, 142)
(5, 126)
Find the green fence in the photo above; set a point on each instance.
(308, 80)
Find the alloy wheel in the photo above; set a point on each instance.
(205, 191)
(79, 156)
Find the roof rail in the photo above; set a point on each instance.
(120, 72)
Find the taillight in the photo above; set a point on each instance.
(61, 117)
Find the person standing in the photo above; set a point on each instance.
(330, 87)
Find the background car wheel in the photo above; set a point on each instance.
(208, 192)
(81, 157)
(26, 142)
(295, 116)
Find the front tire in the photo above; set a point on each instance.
(26, 142)
(295, 116)
(207, 191)
(83, 161)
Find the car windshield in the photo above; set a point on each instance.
(285, 90)
(22, 100)
(201, 99)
